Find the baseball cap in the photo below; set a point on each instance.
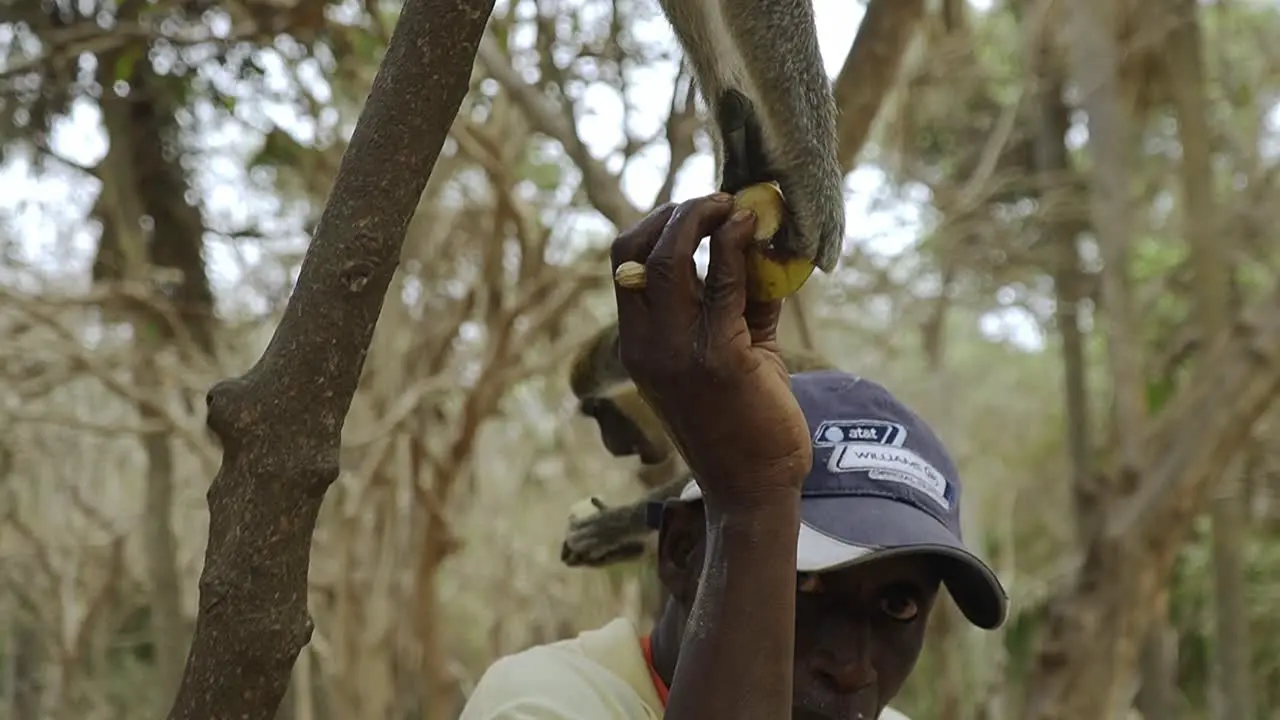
(882, 484)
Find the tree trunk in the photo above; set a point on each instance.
(126, 212)
(148, 224)
(1213, 315)
(1070, 681)
(1053, 180)
(945, 638)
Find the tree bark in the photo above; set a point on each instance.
(280, 423)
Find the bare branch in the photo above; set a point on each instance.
(682, 123)
(88, 37)
(602, 187)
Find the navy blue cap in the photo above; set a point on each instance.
(882, 484)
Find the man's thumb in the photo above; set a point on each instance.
(725, 300)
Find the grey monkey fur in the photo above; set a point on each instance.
(767, 50)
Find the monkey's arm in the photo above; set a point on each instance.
(600, 535)
(767, 51)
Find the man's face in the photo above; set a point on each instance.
(859, 631)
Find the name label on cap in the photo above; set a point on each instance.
(839, 432)
(891, 464)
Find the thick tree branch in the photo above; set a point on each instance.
(280, 423)
(870, 70)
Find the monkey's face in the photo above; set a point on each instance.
(627, 425)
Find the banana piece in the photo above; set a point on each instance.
(771, 274)
(765, 200)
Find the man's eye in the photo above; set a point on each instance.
(900, 607)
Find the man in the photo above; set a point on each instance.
(803, 562)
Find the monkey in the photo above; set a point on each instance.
(757, 66)
(598, 534)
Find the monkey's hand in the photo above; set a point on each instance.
(805, 169)
(600, 535)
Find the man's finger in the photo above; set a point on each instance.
(725, 298)
(670, 271)
(636, 242)
(762, 320)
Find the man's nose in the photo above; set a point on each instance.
(843, 659)
(847, 674)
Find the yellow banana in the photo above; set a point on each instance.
(772, 274)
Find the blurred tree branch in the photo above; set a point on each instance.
(603, 188)
(870, 70)
(1213, 275)
(82, 359)
(1158, 474)
(67, 43)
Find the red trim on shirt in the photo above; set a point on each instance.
(647, 646)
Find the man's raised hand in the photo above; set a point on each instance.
(706, 357)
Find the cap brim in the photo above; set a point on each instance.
(836, 533)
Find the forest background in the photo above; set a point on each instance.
(1057, 252)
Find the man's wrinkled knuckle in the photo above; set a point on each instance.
(666, 207)
(718, 291)
(687, 210)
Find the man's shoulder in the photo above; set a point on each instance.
(891, 714)
(587, 676)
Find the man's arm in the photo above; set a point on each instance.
(737, 656)
(705, 358)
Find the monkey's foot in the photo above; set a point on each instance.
(599, 535)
